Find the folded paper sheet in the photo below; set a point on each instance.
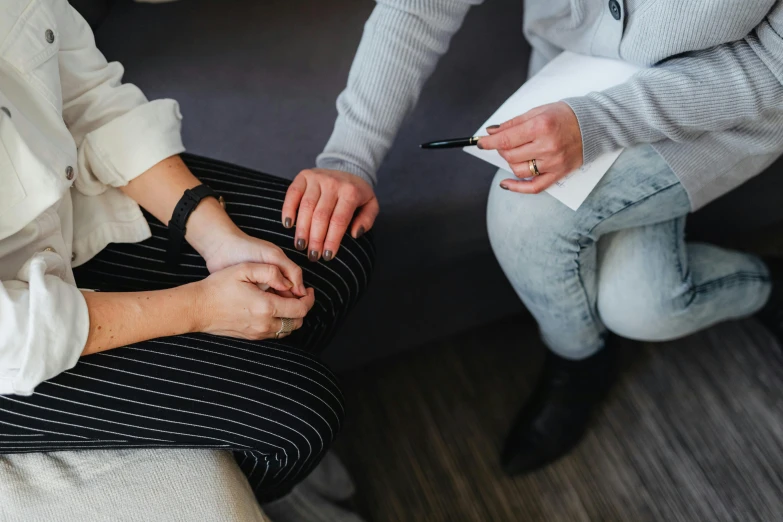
(567, 75)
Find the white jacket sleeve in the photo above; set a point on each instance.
(118, 132)
(44, 325)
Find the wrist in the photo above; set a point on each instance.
(208, 226)
(194, 315)
(327, 162)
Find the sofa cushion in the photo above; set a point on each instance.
(126, 485)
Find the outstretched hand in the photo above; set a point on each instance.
(325, 204)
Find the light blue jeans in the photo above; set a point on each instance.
(620, 262)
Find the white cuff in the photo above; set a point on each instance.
(129, 145)
(45, 323)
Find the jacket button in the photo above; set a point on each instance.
(49, 36)
(614, 8)
(69, 173)
(6, 111)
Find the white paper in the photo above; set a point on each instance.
(568, 75)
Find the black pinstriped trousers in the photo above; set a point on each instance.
(271, 402)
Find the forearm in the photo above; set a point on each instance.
(160, 188)
(401, 45)
(122, 318)
(708, 91)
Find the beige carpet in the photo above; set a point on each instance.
(694, 432)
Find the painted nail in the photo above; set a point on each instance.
(493, 127)
(504, 187)
(301, 244)
(327, 255)
(360, 232)
(478, 144)
(287, 223)
(313, 255)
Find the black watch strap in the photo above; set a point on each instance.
(189, 201)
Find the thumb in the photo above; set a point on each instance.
(365, 218)
(262, 274)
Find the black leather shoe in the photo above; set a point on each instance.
(771, 316)
(557, 415)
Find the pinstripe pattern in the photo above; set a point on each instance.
(271, 402)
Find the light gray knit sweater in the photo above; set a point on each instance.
(711, 102)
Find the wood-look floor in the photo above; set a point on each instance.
(693, 432)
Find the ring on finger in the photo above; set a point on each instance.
(286, 327)
(533, 168)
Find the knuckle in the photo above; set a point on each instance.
(307, 204)
(262, 309)
(322, 215)
(504, 141)
(545, 124)
(276, 253)
(341, 220)
(351, 193)
(244, 267)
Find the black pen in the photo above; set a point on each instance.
(451, 144)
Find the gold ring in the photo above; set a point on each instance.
(533, 168)
(286, 326)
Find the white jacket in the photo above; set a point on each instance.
(71, 133)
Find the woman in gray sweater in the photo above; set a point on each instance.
(703, 117)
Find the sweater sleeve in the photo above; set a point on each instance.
(401, 44)
(711, 90)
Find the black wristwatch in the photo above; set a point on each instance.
(189, 201)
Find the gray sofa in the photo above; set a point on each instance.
(257, 82)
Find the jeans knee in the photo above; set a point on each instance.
(524, 229)
(639, 311)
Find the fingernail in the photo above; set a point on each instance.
(478, 144)
(493, 127)
(360, 232)
(287, 223)
(504, 187)
(327, 255)
(301, 244)
(313, 255)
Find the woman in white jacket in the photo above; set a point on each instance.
(81, 152)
